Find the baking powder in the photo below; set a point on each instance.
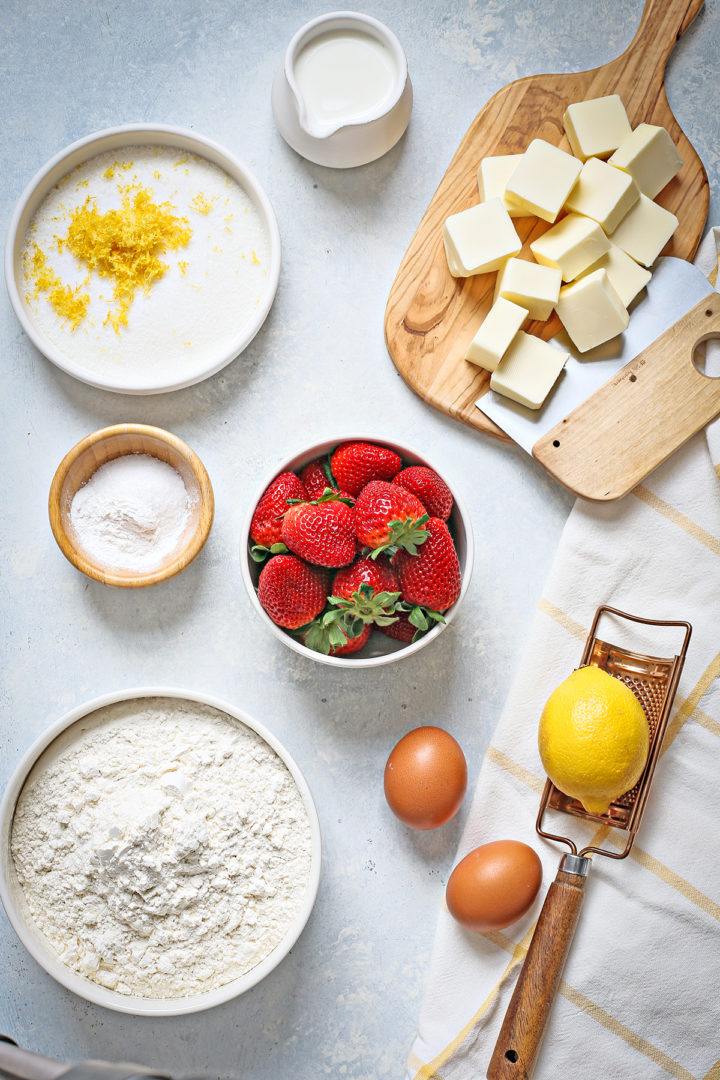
(163, 847)
(132, 512)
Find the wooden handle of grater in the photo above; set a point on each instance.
(525, 1021)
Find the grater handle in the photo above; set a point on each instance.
(525, 1021)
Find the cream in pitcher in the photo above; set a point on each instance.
(343, 96)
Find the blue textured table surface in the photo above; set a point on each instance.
(345, 1002)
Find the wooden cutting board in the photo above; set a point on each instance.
(431, 316)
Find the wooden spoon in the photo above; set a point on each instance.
(431, 316)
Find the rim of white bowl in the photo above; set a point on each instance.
(296, 461)
(113, 138)
(33, 939)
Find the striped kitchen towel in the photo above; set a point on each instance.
(640, 995)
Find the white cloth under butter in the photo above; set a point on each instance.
(640, 995)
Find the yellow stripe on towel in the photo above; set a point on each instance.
(678, 518)
(689, 705)
(580, 1001)
(518, 771)
(562, 618)
(518, 952)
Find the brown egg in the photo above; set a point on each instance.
(494, 885)
(425, 778)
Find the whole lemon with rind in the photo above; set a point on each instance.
(593, 738)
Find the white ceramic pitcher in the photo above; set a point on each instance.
(370, 100)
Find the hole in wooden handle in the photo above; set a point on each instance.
(700, 357)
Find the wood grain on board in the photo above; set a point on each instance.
(658, 401)
(431, 316)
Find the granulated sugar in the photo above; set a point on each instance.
(188, 317)
(163, 847)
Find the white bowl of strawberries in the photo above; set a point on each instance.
(356, 552)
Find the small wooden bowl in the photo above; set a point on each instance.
(95, 450)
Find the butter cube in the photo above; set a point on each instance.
(591, 311)
(650, 156)
(492, 176)
(626, 276)
(571, 246)
(495, 334)
(542, 180)
(597, 127)
(528, 370)
(480, 239)
(531, 286)
(603, 193)
(645, 231)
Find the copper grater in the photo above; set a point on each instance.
(654, 682)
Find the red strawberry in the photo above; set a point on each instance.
(432, 577)
(317, 483)
(266, 522)
(355, 464)
(387, 516)
(430, 488)
(354, 644)
(411, 622)
(402, 629)
(378, 574)
(314, 478)
(322, 532)
(292, 592)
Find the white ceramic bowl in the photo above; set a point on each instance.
(380, 649)
(40, 949)
(117, 138)
(356, 142)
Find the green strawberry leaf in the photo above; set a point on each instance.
(329, 495)
(328, 472)
(321, 638)
(365, 606)
(259, 553)
(420, 617)
(405, 535)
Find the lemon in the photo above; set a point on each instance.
(593, 738)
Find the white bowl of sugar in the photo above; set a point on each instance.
(142, 258)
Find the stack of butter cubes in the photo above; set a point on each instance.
(589, 266)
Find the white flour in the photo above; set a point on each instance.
(209, 293)
(132, 512)
(163, 847)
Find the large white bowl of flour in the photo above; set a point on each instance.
(172, 314)
(159, 851)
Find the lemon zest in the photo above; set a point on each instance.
(69, 302)
(125, 244)
(201, 204)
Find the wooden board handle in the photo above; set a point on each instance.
(642, 415)
(662, 23)
(525, 1021)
